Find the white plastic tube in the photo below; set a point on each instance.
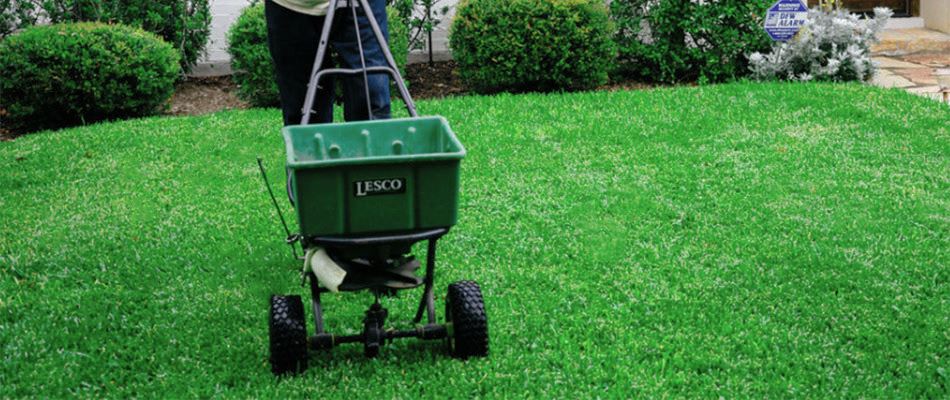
(328, 273)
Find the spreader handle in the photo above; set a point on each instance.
(316, 73)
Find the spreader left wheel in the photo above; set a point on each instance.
(465, 310)
(288, 335)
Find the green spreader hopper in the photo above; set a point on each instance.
(373, 176)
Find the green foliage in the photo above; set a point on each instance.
(183, 23)
(250, 58)
(66, 74)
(254, 68)
(532, 45)
(687, 40)
(670, 243)
(421, 18)
(398, 39)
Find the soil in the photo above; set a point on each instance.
(193, 96)
(436, 80)
(5, 134)
(196, 96)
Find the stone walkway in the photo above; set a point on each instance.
(897, 42)
(907, 59)
(913, 73)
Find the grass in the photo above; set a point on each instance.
(743, 240)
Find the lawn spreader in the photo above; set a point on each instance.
(365, 192)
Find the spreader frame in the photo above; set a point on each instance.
(324, 162)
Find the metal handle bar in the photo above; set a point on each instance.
(392, 70)
(403, 92)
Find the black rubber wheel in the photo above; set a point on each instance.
(465, 310)
(288, 335)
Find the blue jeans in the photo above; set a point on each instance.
(293, 38)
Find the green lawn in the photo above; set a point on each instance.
(761, 240)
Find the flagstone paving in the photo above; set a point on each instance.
(913, 73)
(897, 42)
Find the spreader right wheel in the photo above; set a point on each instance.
(288, 335)
(465, 310)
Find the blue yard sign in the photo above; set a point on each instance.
(785, 18)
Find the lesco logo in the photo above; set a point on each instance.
(375, 187)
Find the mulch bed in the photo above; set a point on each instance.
(5, 134)
(196, 96)
(433, 81)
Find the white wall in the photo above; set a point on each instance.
(936, 14)
(224, 12)
(440, 35)
(216, 60)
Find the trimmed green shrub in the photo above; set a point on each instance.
(398, 39)
(66, 74)
(250, 58)
(532, 45)
(254, 68)
(183, 23)
(687, 40)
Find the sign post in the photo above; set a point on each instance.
(784, 19)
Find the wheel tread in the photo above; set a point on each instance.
(288, 335)
(470, 323)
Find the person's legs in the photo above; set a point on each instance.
(292, 38)
(345, 43)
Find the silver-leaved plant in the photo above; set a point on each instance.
(832, 45)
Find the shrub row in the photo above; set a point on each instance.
(519, 45)
(545, 45)
(65, 74)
